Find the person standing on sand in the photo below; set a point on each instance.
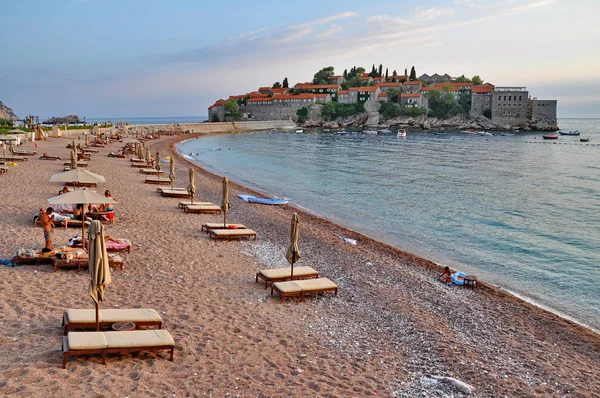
(47, 227)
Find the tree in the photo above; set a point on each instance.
(285, 83)
(323, 76)
(276, 85)
(462, 79)
(346, 74)
(394, 94)
(386, 73)
(373, 72)
(406, 74)
(232, 109)
(477, 81)
(413, 74)
(394, 73)
(359, 71)
(380, 70)
(464, 101)
(302, 114)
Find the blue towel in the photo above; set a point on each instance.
(8, 262)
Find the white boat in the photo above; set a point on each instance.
(401, 133)
(486, 133)
(384, 131)
(369, 131)
(471, 132)
(299, 131)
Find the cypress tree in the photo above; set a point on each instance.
(380, 70)
(413, 74)
(386, 73)
(285, 83)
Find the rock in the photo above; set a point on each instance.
(71, 119)
(459, 385)
(7, 113)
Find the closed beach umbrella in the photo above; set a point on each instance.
(147, 155)
(73, 159)
(98, 266)
(11, 148)
(157, 164)
(225, 202)
(172, 171)
(191, 188)
(3, 149)
(293, 252)
(83, 197)
(87, 139)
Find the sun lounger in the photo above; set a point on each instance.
(85, 343)
(31, 257)
(116, 155)
(98, 145)
(79, 164)
(303, 287)
(3, 169)
(219, 225)
(149, 171)
(158, 181)
(283, 274)
(13, 158)
(49, 157)
(202, 209)
(81, 184)
(114, 260)
(133, 160)
(90, 150)
(141, 166)
(111, 246)
(230, 234)
(25, 153)
(173, 193)
(86, 318)
(184, 203)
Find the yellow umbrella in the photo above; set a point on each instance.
(98, 266)
(172, 172)
(293, 252)
(192, 187)
(225, 203)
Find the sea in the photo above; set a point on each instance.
(518, 211)
(148, 120)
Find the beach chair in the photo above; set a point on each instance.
(230, 234)
(86, 343)
(202, 209)
(114, 261)
(25, 153)
(149, 171)
(303, 287)
(3, 169)
(184, 203)
(79, 164)
(140, 166)
(30, 257)
(219, 225)
(283, 274)
(158, 181)
(86, 318)
(49, 157)
(90, 150)
(133, 160)
(173, 193)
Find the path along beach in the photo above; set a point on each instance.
(392, 323)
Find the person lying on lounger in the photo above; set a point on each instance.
(446, 276)
(65, 253)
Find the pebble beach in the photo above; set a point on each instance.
(393, 330)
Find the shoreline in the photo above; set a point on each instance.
(392, 323)
(438, 265)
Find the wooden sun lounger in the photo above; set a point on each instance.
(81, 184)
(3, 169)
(202, 209)
(230, 234)
(49, 157)
(13, 158)
(90, 150)
(79, 164)
(98, 145)
(86, 318)
(219, 225)
(38, 260)
(184, 203)
(140, 166)
(134, 160)
(158, 181)
(149, 171)
(85, 343)
(303, 287)
(283, 274)
(83, 263)
(25, 153)
(173, 193)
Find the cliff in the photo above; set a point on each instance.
(7, 113)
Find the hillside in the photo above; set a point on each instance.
(7, 113)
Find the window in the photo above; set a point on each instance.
(520, 98)
(505, 98)
(499, 98)
(510, 97)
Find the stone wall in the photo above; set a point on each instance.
(510, 107)
(479, 103)
(273, 112)
(543, 108)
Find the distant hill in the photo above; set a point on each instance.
(71, 119)
(7, 113)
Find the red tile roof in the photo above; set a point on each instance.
(320, 95)
(343, 92)
(264, 89)
(258, 95)
(453, 84)
(316, 86)
(299, 96)
(410, 95)
(398, 77)
(368, 89)
(482, 89)
(391, 84)
(413, 83)
(259, 100)
(383, 95)
(242, 96)
(279, 90)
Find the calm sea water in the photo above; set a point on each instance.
(518, 211)
(149, 120)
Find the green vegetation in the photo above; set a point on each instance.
(232, 109)
(323, 76)
(391, 109)
(413, 74)
(477, 81)
(302, 115)
(276, 85)
(6, 122)
(285, 83)
(334, 110)
(442, 104)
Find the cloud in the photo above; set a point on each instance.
(333, 29)
(294, 34)
(432, 13)
(328, 19)
(251, 35)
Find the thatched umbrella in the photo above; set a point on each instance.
(293, 252)
(172, 171)
(73, 158)
(98, 266)
(147, 155)
(225, 202)
(191, 188)
(11, 148)
(157, 164)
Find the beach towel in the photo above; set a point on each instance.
(8, 262)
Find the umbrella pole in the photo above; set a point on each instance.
(225, 219)
(97, 317)
(292, 271)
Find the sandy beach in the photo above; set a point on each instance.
(392, 324)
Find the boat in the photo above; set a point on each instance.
(313, 132)
(584, 139)
(384, 131)
(369, 131)
(575, 133)
(401, 133)
(439, 133)
(485, 133)
(550, 137)
(299, 131)
(273, 129)
(507, 134)
(470, 132)
(264, 201)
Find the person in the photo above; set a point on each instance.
(446, 276)
(47, 226)
(79, 214)
(55, 217)
(109, 207)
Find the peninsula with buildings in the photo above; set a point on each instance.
(381, 99)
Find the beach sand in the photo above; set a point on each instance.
(392, 323)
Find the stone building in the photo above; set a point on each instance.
(435, 78)
(481, 99)
(510, 106)
(412, 100)
(543, 108)
(280, 107)
(331, 89)
(413, 87)
(348, 97)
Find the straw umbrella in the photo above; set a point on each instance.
(80, 197)
(293, 252)
(98, 266)
(172, 172)
(192, 187)
(225, 202)
(73, 159)
(157, 164)
(147, 155)
(11, 148)
(3, 149)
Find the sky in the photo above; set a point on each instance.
(144, 58)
